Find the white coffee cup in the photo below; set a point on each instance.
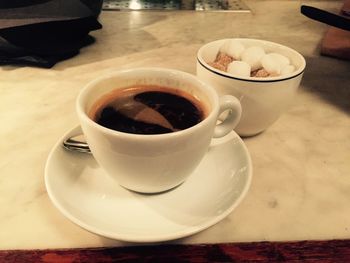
(154, 163)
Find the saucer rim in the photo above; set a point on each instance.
(191, 230)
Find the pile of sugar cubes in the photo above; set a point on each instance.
(236, 59)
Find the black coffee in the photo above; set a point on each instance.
(148, 110)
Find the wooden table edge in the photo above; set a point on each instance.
(297, 251)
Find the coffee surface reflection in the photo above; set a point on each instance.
(148, 109)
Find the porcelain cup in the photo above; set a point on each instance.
(263, 100)
(154, 163)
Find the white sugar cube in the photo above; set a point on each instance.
(283, 60)
(271, 64)
(233, 48)
(239, 68)
(252, 56)
(287, 70)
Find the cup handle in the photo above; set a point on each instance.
(231, 103)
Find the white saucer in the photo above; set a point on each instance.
(82, 191)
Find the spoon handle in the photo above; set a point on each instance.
(326, 17)
(76, 144)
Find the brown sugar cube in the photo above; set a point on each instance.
(217, 66)
(223, 59)
(260, 73)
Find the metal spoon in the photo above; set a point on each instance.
(77, 144)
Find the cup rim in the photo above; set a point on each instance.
(80, 108)
(295, 74)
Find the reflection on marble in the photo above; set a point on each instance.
(301, 182)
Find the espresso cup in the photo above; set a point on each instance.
(158, 162)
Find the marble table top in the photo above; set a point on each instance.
(301, 179)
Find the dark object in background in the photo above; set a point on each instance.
(20, 3)
(336, 41)
(94, 5)
(323, 16)
(42, 33)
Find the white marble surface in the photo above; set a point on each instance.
(301, 180)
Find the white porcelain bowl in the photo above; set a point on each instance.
(262, 99)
